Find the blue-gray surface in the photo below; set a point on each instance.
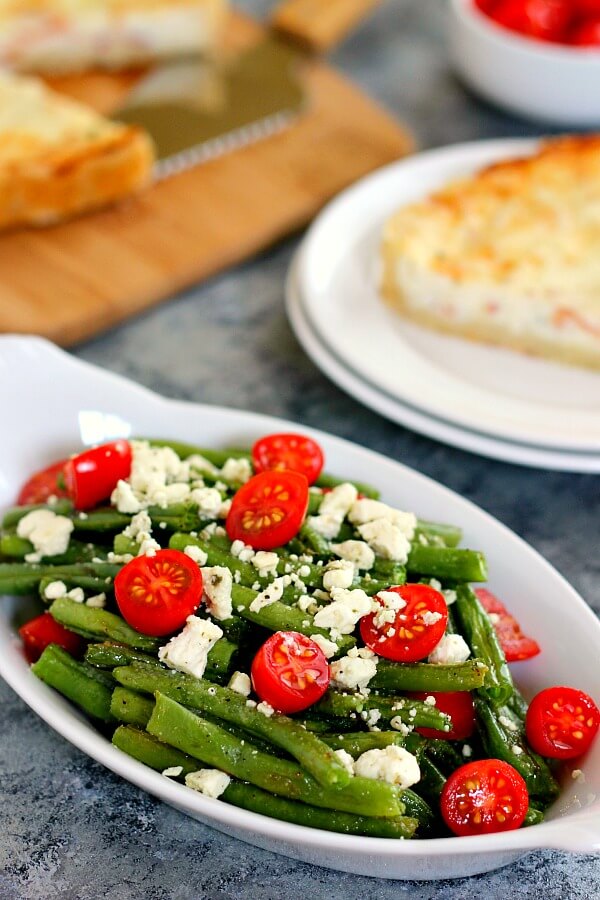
(70, 829)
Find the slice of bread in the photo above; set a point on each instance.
(59, 158)
(510, 256)
(59, 36)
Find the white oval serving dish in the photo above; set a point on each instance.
(61, 403)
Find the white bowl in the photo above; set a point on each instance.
(61, 403)
(543, 81)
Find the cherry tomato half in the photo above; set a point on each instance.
(293, 452)
(39, 633)
(589, 8)
(91, 476)
(458, 705)
(587, 34)
(515, 645)
(43, 484)
(547, 20)
(156, 594)
(268, 510)
(416, 629)
(290, 672)
(561, 722)
(483, 797)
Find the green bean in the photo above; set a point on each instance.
(216, 747)
(24, 578)
(533, 817)
(395, 677)
(449, 534)
(481, 637)
(109, 655)
(414, 713)
(447, 563)
(358, 742)
(130, 707)
(431, 783)
(388, 571)
(96, 624)
(444, 754)
(14, 514)
(149, 750)
(339, 705)
(418, 808)
(316, 543)
(13, 546)
(223, 703)
(330, 481)
(503, 739)
(83, 685)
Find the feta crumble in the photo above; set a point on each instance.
(386, 539)
(345, 759)
(265, 708)
(173, 771)
(97, 601)
(197, 554)
(218, 582)
(240, 683)
(343, 613)
(392, 764)
(188, 651)
(208, 500)
(338, 574)
(54, 590)
(237, 470)
(451, 649)
(210, 782)
(271, 594)
(328, 648)
(265, 562)
(357, 552)
(353, 672)
(48, 532)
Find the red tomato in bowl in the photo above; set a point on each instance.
(587, 34)
(458, 705)
(515, 645)
(268, 510)
(91, 476)
(561, 722)
(547, 20)
(39, 633)
(484, 797)
(418, 626)
(290, 672)
(294, 452)
(43, 484)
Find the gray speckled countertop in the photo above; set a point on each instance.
(70, 829)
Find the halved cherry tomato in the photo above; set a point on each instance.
(293, 452)
(561, 722)
(290, 672)
(268, 510)
(587, 34)
(547, 20)
(458, 705)
(483, 797)
(39, 633)
(585, 8)
(156, 594)
(43, 484)
(91, 476)
(516, 645)
(416, 629)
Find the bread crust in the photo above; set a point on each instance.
(71, 179)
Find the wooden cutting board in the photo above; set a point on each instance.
(75, 280)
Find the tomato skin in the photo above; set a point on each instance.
(156, 594)
(39, 633)
(294, 452)
(515, 645)
(458, 705)
(561, 722)
(412, 638)
(42, 485)
(268, 510)
(290, 672)
(484, 797)
(546, 20)
(587, 8)
(587, 34)
(91, 476)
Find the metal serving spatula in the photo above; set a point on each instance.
(198, 109)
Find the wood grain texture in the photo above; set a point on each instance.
(75, 280)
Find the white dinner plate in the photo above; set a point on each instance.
(404, 414)
(63, 403)
(496, 392)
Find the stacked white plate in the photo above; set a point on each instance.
(490, 401)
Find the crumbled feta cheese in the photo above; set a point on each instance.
(265, 708)
(392, 764)
(516, 749)
(210, 782)
(467, 751)
(157, 478)
(327, 526)
(386, 606)
(306, 604)
(304, 571)
(265, 562)
(251, 704)
(48, 533)
(149, 547)
(224, 508)
(240, 683)
(451, 649)
(208, 501)
(366, 510)
(197, 554)
(352, 673)
(188, 651)
(218, 582)
(578, 775)
(338, 574)
(54, 590)
(343, 613)
(435, 584)
(399, 725)
(423, 540)
(237, 576)
(198, 464)
(338, 501)
(141, 523)
(271, 594)
(328, 648)
(431, 618)
(449, 596)
(76, 594)
(97, 601)
(372, 718)
(508, 723)
(386, 539)
(124, 498)
(173, 771)
(237, 470)
(345, 759)
(430, 700)
(357, 552)
(494, 618)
